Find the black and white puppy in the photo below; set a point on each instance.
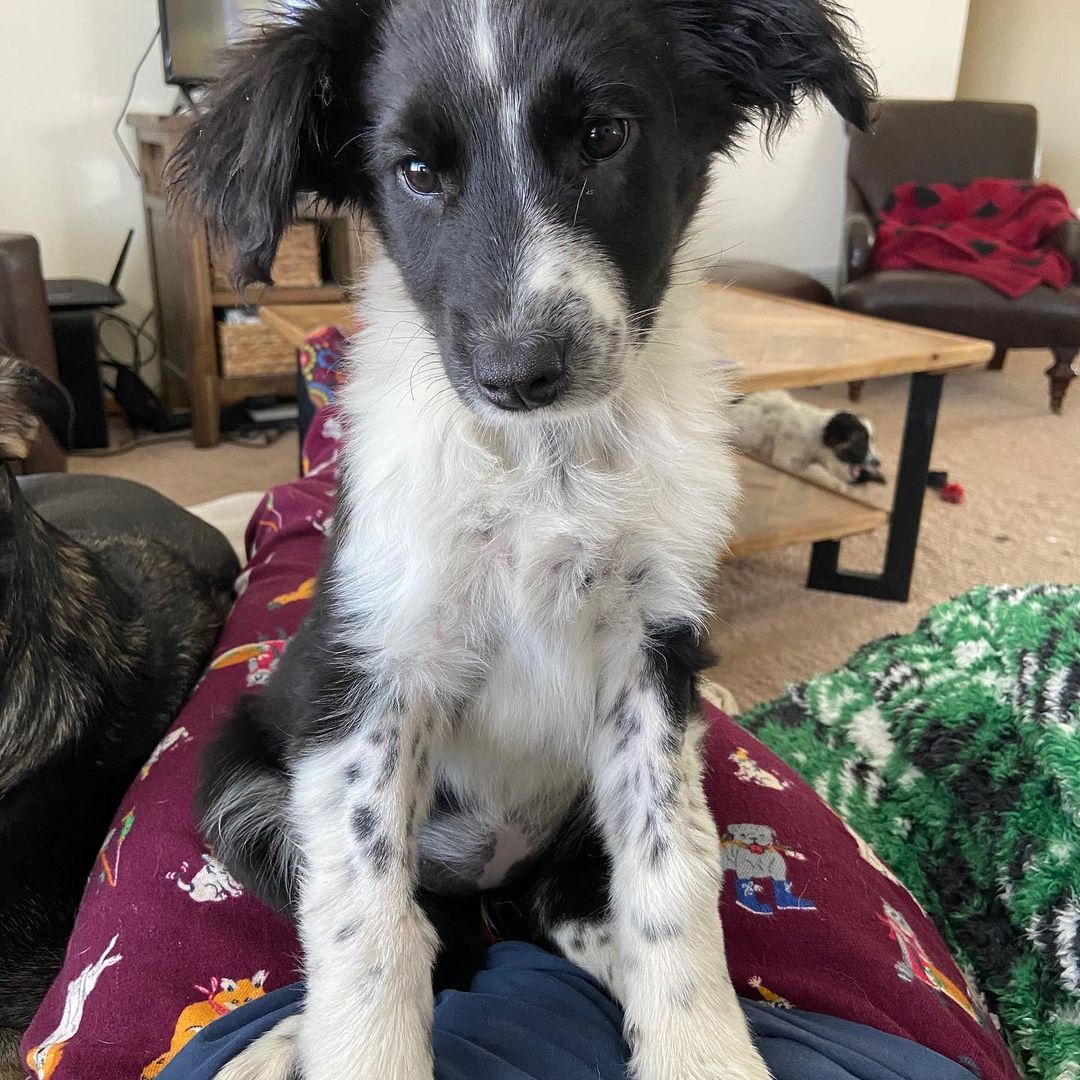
(836, 449)
(496, 685)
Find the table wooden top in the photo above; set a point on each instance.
(771, 342)
(777, 509)
(774, 343)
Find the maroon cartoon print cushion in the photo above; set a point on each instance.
(167, 941)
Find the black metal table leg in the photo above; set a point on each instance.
(894, 582)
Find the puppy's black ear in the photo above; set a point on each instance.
(738, 57)
(285, 117)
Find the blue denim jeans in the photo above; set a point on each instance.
(533, 1016)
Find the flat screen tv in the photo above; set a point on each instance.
(193, 33)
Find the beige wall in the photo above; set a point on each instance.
(64, 72)
(787, 209)
(1030, 51)
(65, 66)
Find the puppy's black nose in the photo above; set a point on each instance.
(521, 378)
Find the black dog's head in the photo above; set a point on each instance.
(851, 439)
(28, 399)
(531, 165)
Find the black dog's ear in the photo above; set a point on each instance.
(738, 57)
(841, 428)
(27, 397)
(283, 118)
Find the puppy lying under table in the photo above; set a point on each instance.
(835, 449)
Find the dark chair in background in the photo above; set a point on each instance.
(772, 279)
(26, 329)
(955, 141)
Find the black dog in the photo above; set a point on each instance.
(110, 600)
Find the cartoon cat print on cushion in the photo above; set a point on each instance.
(221, 998)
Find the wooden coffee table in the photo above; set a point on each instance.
(771, 343)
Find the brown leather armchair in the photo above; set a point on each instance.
(26, 329)
(954, 141)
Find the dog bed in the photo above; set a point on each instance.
(167, 942)
(954, 750)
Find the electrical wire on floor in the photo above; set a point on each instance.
(142, 408)
(248, 437)
(257, 437)
(136, 442)
(136, 333)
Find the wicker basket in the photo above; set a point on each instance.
(252, 350)
(350, 246)
(297, 265)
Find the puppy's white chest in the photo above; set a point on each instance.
(549, 583)
(545, 564)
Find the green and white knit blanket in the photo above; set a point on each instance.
(955, 750)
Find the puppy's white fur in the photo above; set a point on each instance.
(471, 539)
(272, 1057)
(498, 579)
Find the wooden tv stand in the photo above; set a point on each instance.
(186, 299)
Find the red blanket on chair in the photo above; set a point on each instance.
(991, 230)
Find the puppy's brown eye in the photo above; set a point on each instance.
(421, 177)
(603, 138)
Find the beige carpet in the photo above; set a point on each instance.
(1020, 467)
(1021, 521)
(176, 469)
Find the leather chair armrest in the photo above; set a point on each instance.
(1066, 238)
(858, 235)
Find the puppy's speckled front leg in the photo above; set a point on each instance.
(682, 1018)
(369, 948)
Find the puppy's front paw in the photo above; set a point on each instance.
(274, 1055)
(683, 1053)
(388, 1045)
